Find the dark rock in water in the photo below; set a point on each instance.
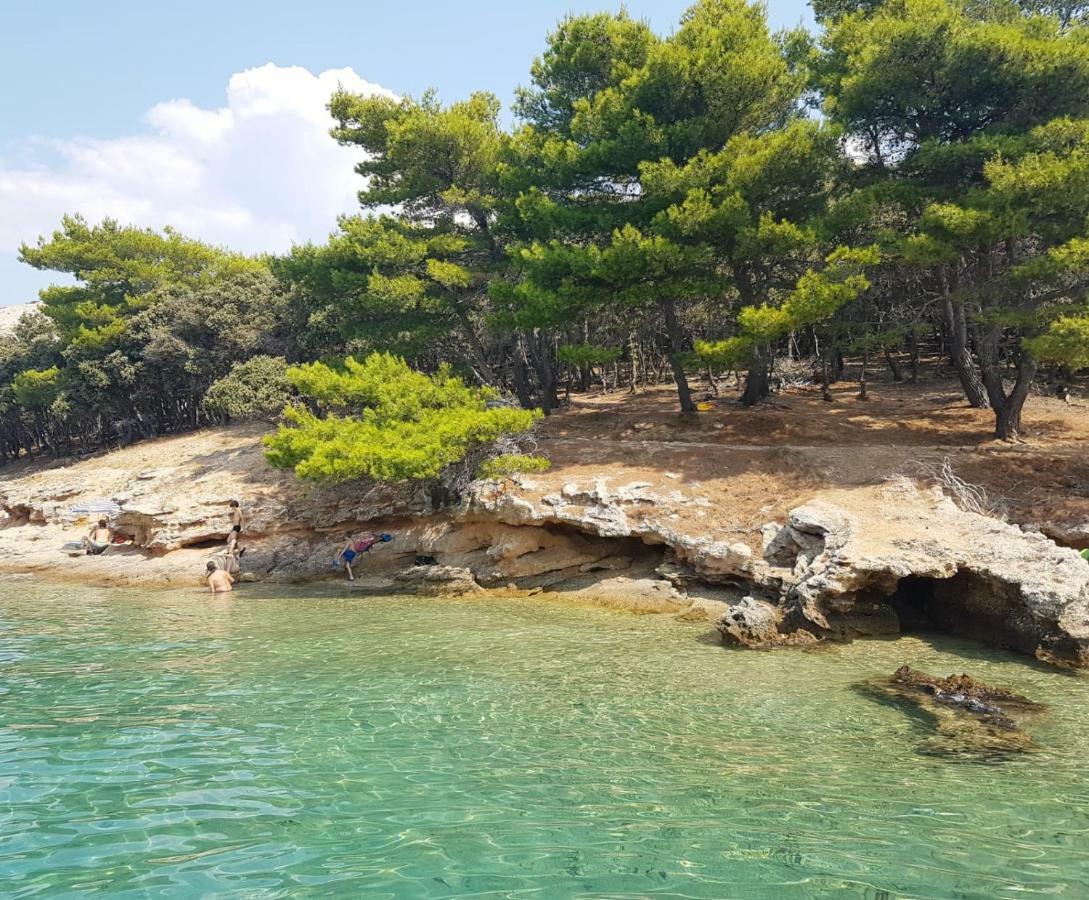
(969, 718)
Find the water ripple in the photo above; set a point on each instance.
(306, 745)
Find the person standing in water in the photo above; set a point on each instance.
(219, 580)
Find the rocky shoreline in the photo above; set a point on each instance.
(849, 563)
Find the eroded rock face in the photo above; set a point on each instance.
(625, 511)
(969, 718)
(845, 564)
(751, 623)
(919, 560)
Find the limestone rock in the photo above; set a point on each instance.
(750, 623)
(443, 579)
(844, 564)
(919, 558)
(1072, 534)
(969, 718)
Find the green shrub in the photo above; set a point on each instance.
(509, 464)
(1065, 343)
(36, 388)
(380, 419)
(255, 389)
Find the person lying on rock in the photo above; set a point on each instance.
(219, 580)
(98, 538)
(352, 549)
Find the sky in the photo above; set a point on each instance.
(209, 116)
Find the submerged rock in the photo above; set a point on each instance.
(969, 718)
(441, 579)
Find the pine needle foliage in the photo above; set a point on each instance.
(378, 418)
(507, 465)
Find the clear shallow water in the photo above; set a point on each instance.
(268, 745)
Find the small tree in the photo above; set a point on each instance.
(584, 357)
(380, 419)
(255, 389)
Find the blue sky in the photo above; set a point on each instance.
(83, 119)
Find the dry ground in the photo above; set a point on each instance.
(755, 463)
(750, 465)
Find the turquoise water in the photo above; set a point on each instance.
(321, 744)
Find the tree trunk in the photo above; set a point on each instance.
(913, 346)
(826, 391)
(1008, 418)
(673, 330)
(965, 367)
(757, 381)
(479, 357)
(521, 381)
(894, 366)
(585, 371)
(1007, 407)
(546, 377)
(863, 394)
(758, 378)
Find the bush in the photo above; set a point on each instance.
(509, 464)
(255, 389)
(380, 419)
(36, 388)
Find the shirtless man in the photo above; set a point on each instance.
(219, 580)
(236, 515)
(98, 539)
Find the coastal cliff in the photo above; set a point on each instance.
(774, 545)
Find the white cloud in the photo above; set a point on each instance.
(259, 173)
